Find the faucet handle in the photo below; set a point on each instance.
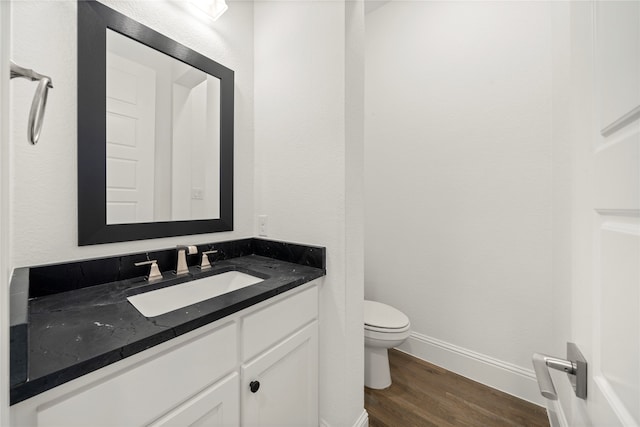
(204, 263)
(154, 271)
(189, 250)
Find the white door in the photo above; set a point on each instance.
(606, 239)
(280, 387)
(131, 98)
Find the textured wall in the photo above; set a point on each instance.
(308, 169)
(458, 182)
(44, 195)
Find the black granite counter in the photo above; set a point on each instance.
(69, 319)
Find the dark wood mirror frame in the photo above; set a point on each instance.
(93, 21)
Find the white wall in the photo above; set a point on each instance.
(308, 142)
(44, 177)
(458, 182)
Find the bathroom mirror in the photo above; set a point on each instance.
(155, 133)
(163, 136)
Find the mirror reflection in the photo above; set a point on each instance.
(162, 136)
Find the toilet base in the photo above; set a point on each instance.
(376, 368)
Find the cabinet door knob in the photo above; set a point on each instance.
(254, 386)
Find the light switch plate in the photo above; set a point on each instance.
(262, 225)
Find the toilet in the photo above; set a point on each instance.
(384, 327)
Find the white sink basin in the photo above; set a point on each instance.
(155, 303)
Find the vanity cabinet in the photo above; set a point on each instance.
(203, 377)
(279, 373)
(283, 382)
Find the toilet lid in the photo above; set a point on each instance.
(380, 315)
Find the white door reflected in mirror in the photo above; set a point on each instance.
(163, 136)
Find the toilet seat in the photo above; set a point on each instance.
(386, 330)
(379, 317)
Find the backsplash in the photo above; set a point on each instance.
(56, 278)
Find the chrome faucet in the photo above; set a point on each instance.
(154, 271)
(205, 264)
(181, 265)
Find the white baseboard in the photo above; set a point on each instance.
(556, 414)
(362, 421)
(504, 376)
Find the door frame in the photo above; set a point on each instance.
(5, 246)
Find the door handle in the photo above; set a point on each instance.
(575, 368)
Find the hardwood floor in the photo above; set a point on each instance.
(424, 395)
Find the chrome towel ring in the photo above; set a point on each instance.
(36, 114)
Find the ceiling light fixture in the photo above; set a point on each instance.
(213, 8)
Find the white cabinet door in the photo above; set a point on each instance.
(217, 406)
(288, 383)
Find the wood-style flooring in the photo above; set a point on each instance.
(425, 395)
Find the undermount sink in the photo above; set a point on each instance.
(155, 303)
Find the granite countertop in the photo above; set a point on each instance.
(69, 334)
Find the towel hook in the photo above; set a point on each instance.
(36, 114)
